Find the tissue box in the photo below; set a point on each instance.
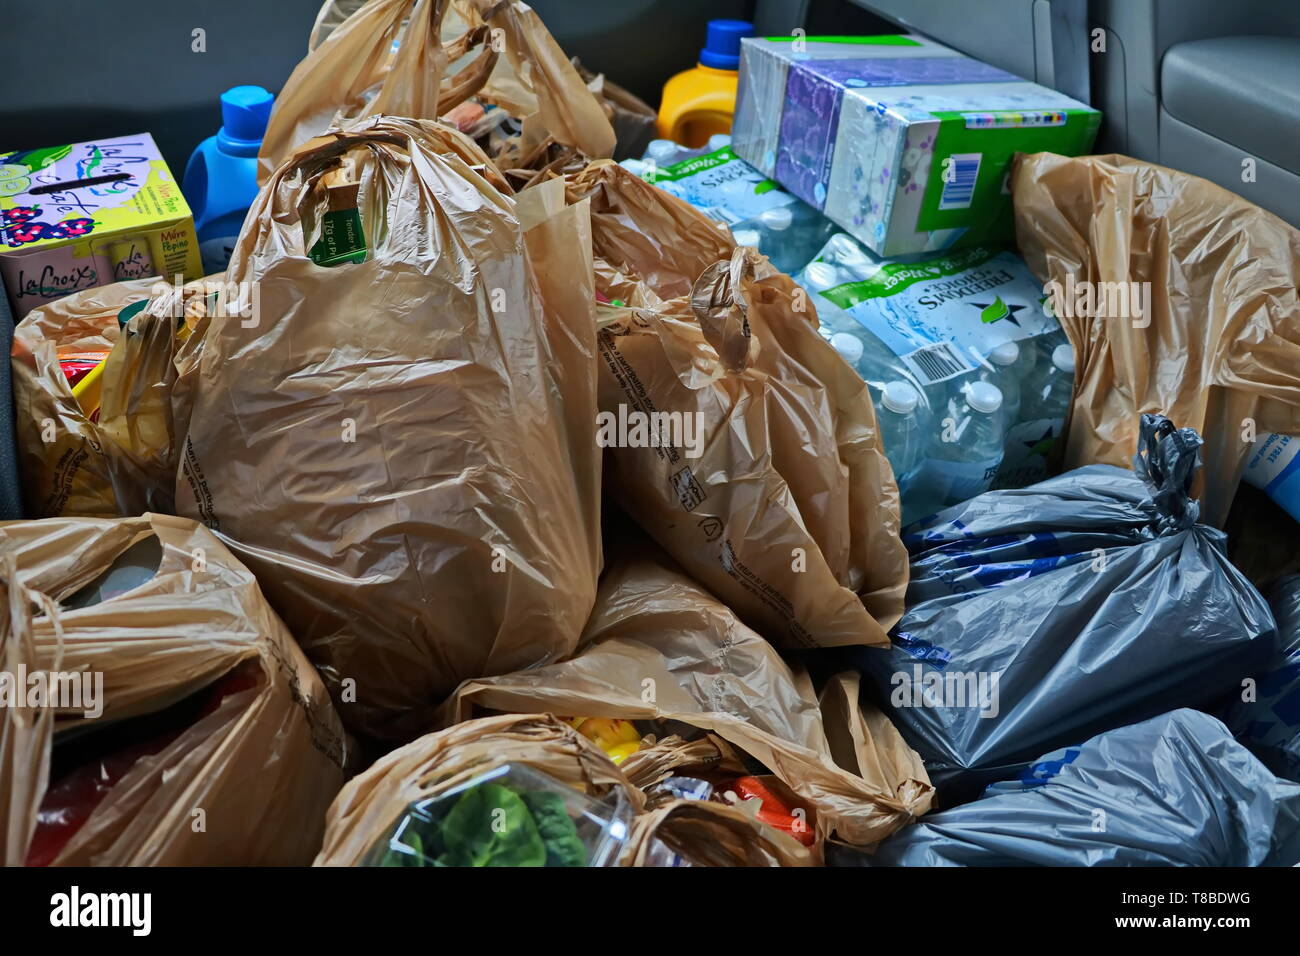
(74, 217)
(901, 141)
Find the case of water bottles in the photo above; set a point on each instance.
(969, 370)
(726, 188)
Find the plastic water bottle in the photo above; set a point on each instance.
(221, 177)
(818, 277)
(964, 454)
(850, 348)
(1051, 387)
(902, 430)
(843, 250)
(789, 235)
(1004, 372)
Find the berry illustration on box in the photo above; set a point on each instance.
(77, 216)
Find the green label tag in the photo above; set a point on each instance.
(887, 39)
(341, 239)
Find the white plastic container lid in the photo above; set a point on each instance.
(717, 141)
(983, 397)
(900, 397)
(821, 275)
(661, 150)
(1008, 353)
(849, 346)
(1063, 358)
(746, 237)
(778, 218)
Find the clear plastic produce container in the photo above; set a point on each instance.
(511, 815)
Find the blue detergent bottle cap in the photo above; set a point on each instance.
(722, 43)
(244, 114)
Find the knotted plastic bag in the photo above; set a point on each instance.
(1041, 616)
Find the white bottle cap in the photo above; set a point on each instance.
(849, 346)
(900, 397)
(821, 275)
(1008, 353)
(1063, 358)
(842, 248)
(746, 237)
(717, 141)
(778, 218)
(983, 397)
(635, 166)
(661, 150)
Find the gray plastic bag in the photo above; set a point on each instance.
(1270, 724)
(1042, 616)
(1175, 790)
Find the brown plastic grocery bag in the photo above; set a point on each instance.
(785, 507)
(1219, 350)
(659, 647)
(445, 53)
(635, 122)
(121, 459)
(647, 234)
(368, 807)
(534, 80)
(401, 447)
(216, 737)
(703, 833)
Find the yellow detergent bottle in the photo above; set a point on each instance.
(700, 103)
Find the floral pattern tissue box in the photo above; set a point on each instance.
(901, 141)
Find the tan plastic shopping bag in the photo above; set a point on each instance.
(703, 833)
(783, 504)
(118, 458)
(660, 648)
(422, 59)
(1218, 349)
(190, 729)
(373, 807)
(401, 447)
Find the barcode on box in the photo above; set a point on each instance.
(936, 363)
(959, 180)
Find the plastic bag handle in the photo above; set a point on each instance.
(721, 306)
(1167, 460)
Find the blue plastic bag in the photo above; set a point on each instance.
(1270, 725)
(1042, 616)
(1175, 790)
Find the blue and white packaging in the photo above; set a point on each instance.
(726, 188)
(941, 317)
(1274, 468)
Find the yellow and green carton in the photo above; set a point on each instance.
(85, 215)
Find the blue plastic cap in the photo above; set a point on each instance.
(722, 43)
(244, 114)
